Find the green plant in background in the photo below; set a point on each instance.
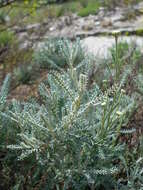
(6, 38)
(117, 53)
(23, 74)
(84, 3)
(125, 60)
(91, 8)
(2, 17)
(117, 66)
(56, 53)
(122, 48)
(139, 83)
(124, 55)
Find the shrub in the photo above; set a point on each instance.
(6, 38)
(92, 8)
(123, 49)
(7, 135)
(56, 53)
(23, 74)
(72, 136)
(84, 3)
(2, 17)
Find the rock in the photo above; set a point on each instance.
(72, 26)
(100, 46)
(23, 36)
(7, 19)
(106, 22)
(117, 17)
(67, 20)
(18, 29)
(25, 44)
(139, 7)
(33, 26)
(88, 26)
(52, 29)
(101, 12)
(93, 24)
